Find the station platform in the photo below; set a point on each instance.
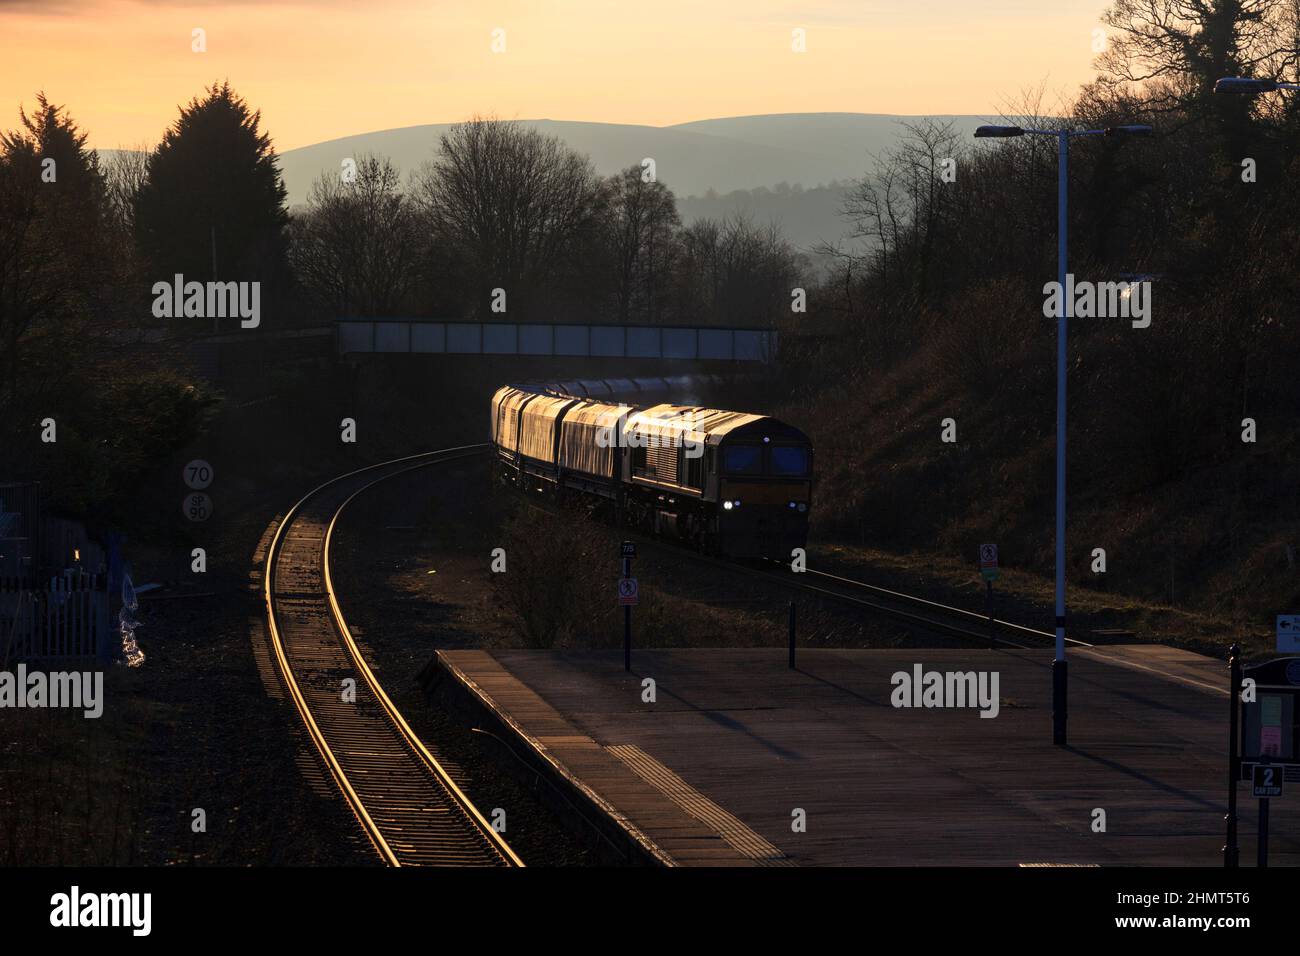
(737, 749)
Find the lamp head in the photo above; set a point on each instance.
(1244, 85)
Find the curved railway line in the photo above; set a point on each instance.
(407, 804)
(404, 799)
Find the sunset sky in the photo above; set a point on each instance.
(321, 69)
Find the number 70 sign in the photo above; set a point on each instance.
(197, 475)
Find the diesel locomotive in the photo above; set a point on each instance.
(728, 483)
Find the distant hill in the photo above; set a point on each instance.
(807, 217)
(687, 160)
(841, 141)
(715, 166)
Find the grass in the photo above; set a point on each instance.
(1028, 598)
(1200, 530)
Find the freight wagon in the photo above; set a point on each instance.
(730, 483)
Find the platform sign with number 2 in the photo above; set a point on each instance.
(1266, 781)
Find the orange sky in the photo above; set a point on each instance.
(329, 68)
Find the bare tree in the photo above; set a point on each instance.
(642, 220)
(1178, 48)
(357, 247)
(733, 272)
(699, 277)
(930, 152)
(511, 202)
(125, 171)
(905, 202)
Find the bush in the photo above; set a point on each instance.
(553, 567)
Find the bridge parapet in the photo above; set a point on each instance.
(556, 339)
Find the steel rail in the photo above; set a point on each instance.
(945, 608)
(397, 841)
(791, 579)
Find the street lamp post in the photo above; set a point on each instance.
(1251, 87)
(1060, 667)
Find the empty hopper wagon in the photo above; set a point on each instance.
(729, 483)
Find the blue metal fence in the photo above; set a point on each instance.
(511, 338)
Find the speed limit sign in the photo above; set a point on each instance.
(197, 474)
(197, 507)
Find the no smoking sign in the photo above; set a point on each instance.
(989, 561)
(627, 591)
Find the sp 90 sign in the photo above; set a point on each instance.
(197, 507)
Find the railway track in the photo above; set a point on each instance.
(945, 618)
(907, 608)
(405, 801)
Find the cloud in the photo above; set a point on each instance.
(47, 7)
(66, 7)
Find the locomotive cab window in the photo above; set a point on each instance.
(788, 460)
(742, 459)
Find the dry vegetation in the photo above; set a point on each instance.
(939, 315)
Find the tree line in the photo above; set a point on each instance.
(499, 215)
(500, 206)
(938, 304)
(1205, 209)
(945, 270)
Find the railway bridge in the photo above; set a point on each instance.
(640, 343)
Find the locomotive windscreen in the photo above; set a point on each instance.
(790, 460)
(743, 459)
